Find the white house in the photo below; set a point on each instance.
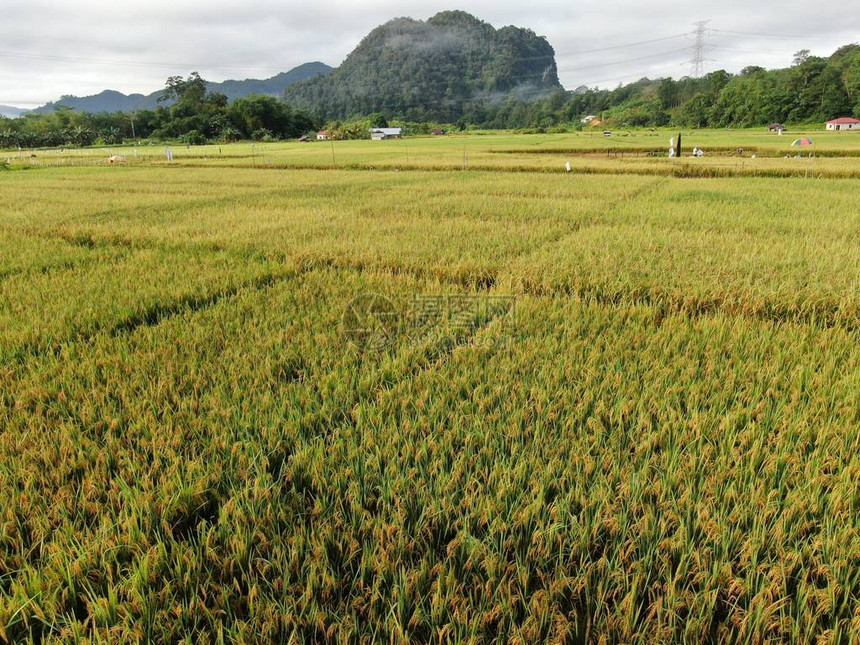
(378, 134)
(322, 135)
(844, 123)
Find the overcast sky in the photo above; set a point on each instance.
(51, 47)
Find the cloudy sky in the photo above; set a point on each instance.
(51, 47)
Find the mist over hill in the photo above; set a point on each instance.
(436, 69)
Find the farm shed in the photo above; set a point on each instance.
(378, 134)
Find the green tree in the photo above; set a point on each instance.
(191, 89)
(266, 113)
(800, 57)
(377, 120)
(695, 111)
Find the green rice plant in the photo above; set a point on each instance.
(647, 433)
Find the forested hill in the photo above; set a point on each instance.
(438, 69)
(112, 101)
(813, 89)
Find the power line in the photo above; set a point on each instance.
(747, 33)
(48, 57)
(699, 32)
(760, 52)
(620, 62)
(621, 78)
(186, 65)
(105, 61)
(102, 61)
(641, 42)
(82, 81)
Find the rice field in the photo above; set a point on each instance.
(620, 404)
(728, 153)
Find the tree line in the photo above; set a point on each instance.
(188, 113)
(813, 89)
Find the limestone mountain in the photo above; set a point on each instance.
(436, 69)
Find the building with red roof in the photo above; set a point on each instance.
(844, 123)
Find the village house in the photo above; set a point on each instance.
(378, 134)
(322, 135)
(844, 123)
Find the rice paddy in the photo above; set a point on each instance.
(658, 443)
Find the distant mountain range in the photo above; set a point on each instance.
(113, 101)
(11, 112)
